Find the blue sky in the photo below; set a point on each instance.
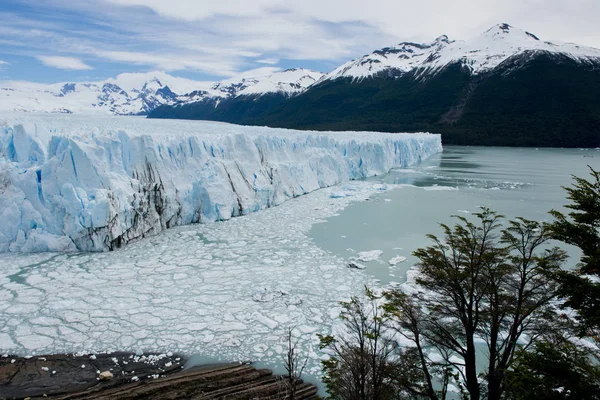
(87, 40)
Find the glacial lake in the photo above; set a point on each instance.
(229, 290)
(515, 182)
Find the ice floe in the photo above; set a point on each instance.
(372, 255)
(226, 289)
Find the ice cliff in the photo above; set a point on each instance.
(97, 183)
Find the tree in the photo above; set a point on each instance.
(474, 285)
(581, 228)
(415, 372)
(360, 361)
(555, 369)
(294, 365)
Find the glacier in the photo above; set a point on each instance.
(71, 182)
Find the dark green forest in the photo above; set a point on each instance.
(537, 100)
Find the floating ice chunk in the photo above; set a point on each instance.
(356, 265)
(32, 342)
(440, 188)
(397, 260)
(372, 255)
(232, 342)
(327, 267)
(6, 341)
(338, 195)
(263, 296)
(268, 322)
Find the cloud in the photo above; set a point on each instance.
(171, 62)
(405, 20)
(4, 62)
(256, 73)
(68, 63)
(222, 38)
(268, 61)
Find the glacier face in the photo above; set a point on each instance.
(96, 183)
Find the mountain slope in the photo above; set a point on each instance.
(522, 103)
(480, 55)
(506, 87)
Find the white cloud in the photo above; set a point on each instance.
(256, 73)
(68, 63)
(3, 62)
(222, 38)
(268, 61)
(403, 19)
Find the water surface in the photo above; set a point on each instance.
(515, 182)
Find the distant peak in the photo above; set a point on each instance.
(442, 38)
(504, 31)
(499, 29)
(504, 26)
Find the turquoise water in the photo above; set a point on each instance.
(513, 181)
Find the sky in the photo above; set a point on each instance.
(89, 40)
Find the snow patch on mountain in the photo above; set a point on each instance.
(140, 93)
(289, 83)
(482, 54)
(125, 95)
(72, 182)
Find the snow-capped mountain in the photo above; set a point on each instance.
(481, 54)
(131, 93)
(288, 83)
(140, 93)
(505, 87)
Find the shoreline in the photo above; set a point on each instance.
(122, 375)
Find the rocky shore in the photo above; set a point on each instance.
(129, 376)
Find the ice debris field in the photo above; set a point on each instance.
(96, 183)
(226, 289)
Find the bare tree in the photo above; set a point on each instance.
(294, 364)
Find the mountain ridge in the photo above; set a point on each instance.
(506, 88)
(140, 93)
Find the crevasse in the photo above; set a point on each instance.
(96, 183)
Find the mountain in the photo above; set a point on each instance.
(125, 95)
(482, 54)
(140, 93)
(504, 87)
(285, 83)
